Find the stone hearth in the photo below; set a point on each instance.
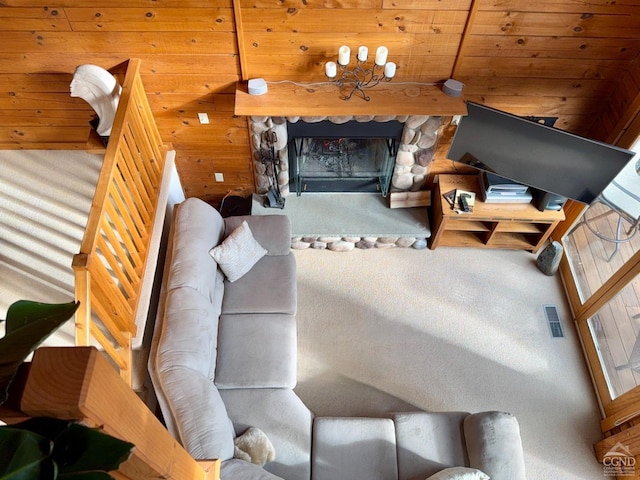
(365, 221)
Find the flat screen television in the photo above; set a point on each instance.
(530, 153)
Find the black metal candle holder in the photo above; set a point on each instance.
(359, 78)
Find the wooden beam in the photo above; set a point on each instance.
(78, 383)
(630, 438)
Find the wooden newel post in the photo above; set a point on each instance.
(79, 383)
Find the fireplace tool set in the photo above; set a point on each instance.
(274, 198)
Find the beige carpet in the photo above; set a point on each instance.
(450, 329)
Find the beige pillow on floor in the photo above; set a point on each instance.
(238, 253)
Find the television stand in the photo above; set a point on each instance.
(491, 225)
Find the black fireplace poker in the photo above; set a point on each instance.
(274, 198)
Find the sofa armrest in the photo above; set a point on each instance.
(241, 470)
(199, 414)
(273, 232)
(494, 445)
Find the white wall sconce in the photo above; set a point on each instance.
(359, 78)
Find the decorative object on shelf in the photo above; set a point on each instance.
(257, 86)
(360, 77)
(101, 90)
(452, 87)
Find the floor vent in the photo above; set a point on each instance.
(553, 320)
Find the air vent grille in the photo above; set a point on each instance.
(553, 320)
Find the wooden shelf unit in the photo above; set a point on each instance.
(491, 225)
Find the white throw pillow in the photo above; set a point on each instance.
(238, 253)
(459, 473)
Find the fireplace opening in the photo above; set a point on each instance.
(348, 157)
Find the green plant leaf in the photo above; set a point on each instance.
(25, 455)
(82, 449)
(47, 427)
(28, 324)
(79, 452)
(85, 476)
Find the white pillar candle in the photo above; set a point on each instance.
(344, 54)
(390, 70)
(381, 55)
(363, 53)
(330, 69)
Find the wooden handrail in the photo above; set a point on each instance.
(80, 384)
(110, 267)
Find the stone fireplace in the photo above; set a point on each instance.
(406, 145)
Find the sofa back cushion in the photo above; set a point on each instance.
(189, 333)
(428, 442)
(197, 228)
(494, 445)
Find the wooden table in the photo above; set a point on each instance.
(490, 225)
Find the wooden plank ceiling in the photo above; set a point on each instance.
(572, 59)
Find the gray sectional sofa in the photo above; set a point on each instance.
(224, 358)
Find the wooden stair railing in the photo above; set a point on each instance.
(109, 270)
(79, 383)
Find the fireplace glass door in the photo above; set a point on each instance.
(344, 164)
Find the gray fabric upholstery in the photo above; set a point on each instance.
(274, 234)
(184, 350)
(427, 442)
(270, 287)
(189, 335)
(284, 418)
(197, 227)
(494, 445)
(204, 428)
(257, 351)
(241, 470)
(224, 355)
(354, 448)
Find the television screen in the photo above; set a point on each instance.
(534, 154)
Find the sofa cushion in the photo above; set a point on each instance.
(494, 445)
(459, 473)
(241, 470)
(237, 253)
(273, 232)
(428, 442)
(189, 333)
(197, 227)
(204, 428)
(257, 351)
(354, 448)
(270, 287)
(286, 421)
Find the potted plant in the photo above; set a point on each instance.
(48, 448)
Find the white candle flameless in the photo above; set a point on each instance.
(390, 70)
(330, 69)
(381, 56)
(344, 54)
(363, 53)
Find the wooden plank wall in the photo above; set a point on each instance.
(572, 60)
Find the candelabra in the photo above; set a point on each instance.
(360, 77)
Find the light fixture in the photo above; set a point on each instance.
(360, 77)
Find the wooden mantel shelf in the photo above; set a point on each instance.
(289, 99)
